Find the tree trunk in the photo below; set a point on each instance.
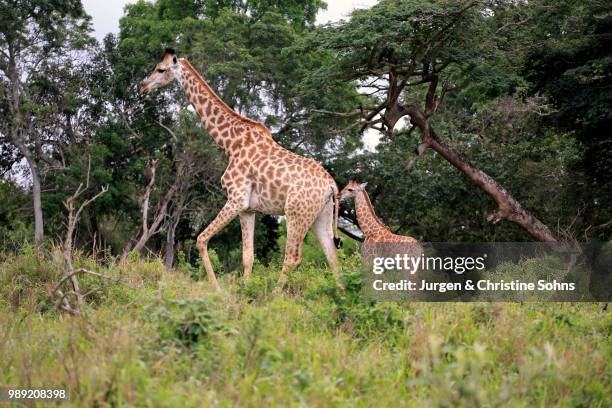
(173, 222)
(36, 191)
(508, 207)
(140, 244)
(17, 132)
(169, 252)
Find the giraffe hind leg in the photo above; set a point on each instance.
(323, 229)
(296, 232)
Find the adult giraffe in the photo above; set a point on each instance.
(261, 175)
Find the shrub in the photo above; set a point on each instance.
(187, 322)
(27, 277)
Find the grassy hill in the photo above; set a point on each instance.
(161, 338)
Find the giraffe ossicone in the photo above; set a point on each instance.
(261, 177)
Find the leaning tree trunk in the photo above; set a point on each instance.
(508, 207)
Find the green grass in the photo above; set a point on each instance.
(164, 339)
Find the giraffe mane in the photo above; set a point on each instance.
(225, 106)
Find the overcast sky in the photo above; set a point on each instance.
(106, 13)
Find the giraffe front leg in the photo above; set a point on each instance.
(227, 213)
(247, 225)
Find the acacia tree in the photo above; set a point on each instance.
(36, 42)
(401, 55)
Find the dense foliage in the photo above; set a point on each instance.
(527, 95)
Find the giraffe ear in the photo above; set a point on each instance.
(363, 185)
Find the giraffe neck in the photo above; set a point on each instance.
(230, 130)
(366, 217)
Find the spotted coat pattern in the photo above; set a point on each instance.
(373, 229)
(261, 177)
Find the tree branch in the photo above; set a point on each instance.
(509, 208)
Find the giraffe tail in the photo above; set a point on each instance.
(337, 240)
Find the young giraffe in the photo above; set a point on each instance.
(261, 175)
(373, 229)
(377, 233)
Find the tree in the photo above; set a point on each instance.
(570, 63)
(400, 51)
(37, 40)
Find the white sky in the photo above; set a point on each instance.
(339, 9)
(106, 15)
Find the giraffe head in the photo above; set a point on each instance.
(351, 189)
(165, 72)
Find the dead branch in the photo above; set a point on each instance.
(340, 114)
(146, 197)
(62, 303)
(85, 271)
(162, 207)
(74, 214)
(511, 24)
(604, 225)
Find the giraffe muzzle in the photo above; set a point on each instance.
(145, 87)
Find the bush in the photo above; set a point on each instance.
(187, 322)
(27, 277)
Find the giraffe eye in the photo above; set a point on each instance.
(161, 71)
(350, 189)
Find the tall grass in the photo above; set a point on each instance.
(165, 339)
